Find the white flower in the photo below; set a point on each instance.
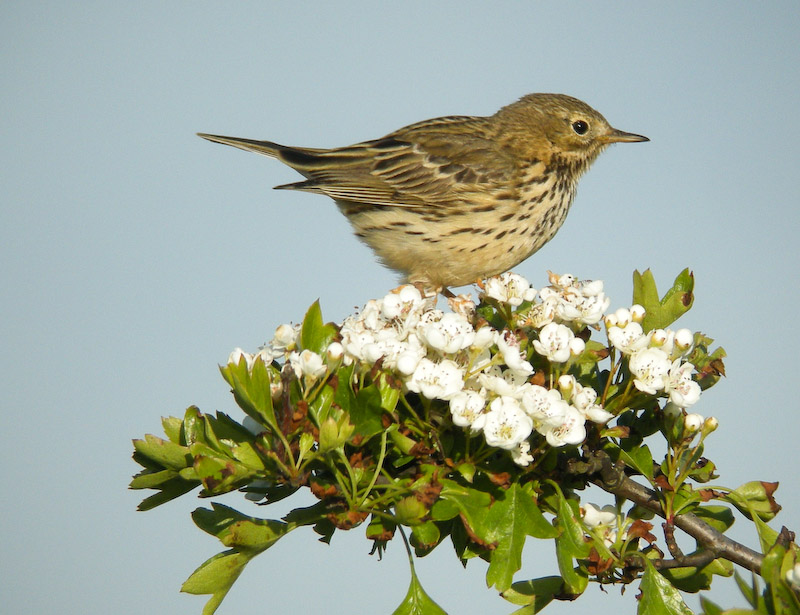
(506, 383)
(683, 391)
(522, 454)
(793, 576)
(238, 354)
(307, 365)
(541, 404)
(576, 346)
(553, 342)
(485, 337)
(436, 380)
(571, 430)
(683, 340)
(401, 302)
(285, 337)
(506, 424)
(595, 517)
(623, 317)
(583, 399)
(602, 520)
(508, 345)
(509, 288)
(542, 313)
(466, 408)
(334, 352)
(627, 339)
(449, 334)
(693, 422)
(650, 367)
(463, 305)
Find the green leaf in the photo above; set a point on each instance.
(659, 596)
(366, 411)
(637, 457)
(234, 529)
(570, 544)
(314, 335)
(216, 576)
(719, 517)
(660, 313)
(755, 499)
(693, 580)
(251, 390)
(512, 517)
(534, 594)
(165, 453)
(417, 602)
(167, 491)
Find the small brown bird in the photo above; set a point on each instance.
(455, 199)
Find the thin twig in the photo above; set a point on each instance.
(612, 479)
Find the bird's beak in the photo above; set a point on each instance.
(248, 145)
(618, 136)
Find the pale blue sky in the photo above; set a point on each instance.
(136, 256)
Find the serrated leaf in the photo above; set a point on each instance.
(164, 452)
(417, 602)
(216, 576)
(251, 390)
(511, 518)
(659, 596)
(172, 428)
(660, 313)
(570, 545)
(719, 517)
(637, 457)
(535, 594)
(314, 334)
(167, 491)
(366, 411)
(234, 529)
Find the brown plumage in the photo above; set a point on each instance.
(452, 200)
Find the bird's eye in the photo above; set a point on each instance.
(580, 127)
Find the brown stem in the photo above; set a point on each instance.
(610, 478)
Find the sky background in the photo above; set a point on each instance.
(135, 255)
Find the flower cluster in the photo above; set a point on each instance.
(656, 358)
(486, 374)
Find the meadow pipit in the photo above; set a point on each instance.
(455, 199)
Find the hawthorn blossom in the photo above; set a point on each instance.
(554, 342)
(466, 408)
(508, 345)
(506, 424)
(436, 380)
(683, 391)
(601, 520)
(509, 288)
(451, 333)
(650, 367)
(307, 365)
(522, 454)
(571, 430)
(627, 339)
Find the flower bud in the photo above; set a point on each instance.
(637, 313)
(658, 338)
(693, 422)
(611, 321)
(683, 339)
(335, 352)
(576, 346)
(709, 425)
(623, 317)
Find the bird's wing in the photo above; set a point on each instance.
(433, 163)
